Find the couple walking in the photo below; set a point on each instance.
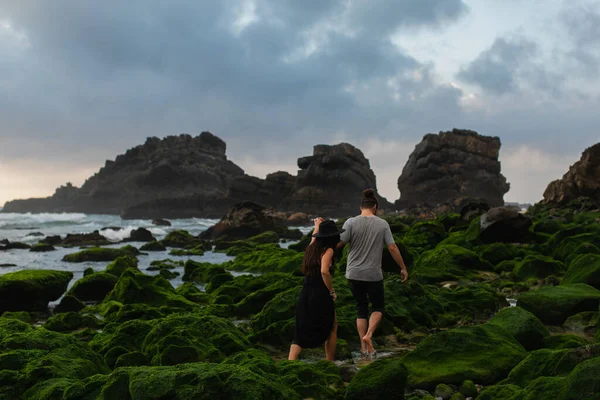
(367, 235)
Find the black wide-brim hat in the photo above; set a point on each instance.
(328, 229)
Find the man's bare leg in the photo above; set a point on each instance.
(362, 325)
(367, 339)
(295, 351)
(330, 343)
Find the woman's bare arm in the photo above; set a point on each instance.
(325, 264)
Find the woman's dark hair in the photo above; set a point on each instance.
(368, 199)
(311, 264)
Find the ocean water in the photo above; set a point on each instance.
(27, 227)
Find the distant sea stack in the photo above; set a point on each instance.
(582, 180)
(185, 176)
(450, 167)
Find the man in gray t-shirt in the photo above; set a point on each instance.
(367, 234)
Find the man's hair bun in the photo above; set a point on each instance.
(368, 193)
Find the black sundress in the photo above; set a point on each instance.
(315, 313)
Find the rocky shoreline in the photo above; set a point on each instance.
(448, 333)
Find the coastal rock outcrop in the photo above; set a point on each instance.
(582, 180)
(184, 177)
(331, 181)
(447, 168)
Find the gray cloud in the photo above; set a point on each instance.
(496, 69)
(582, 22)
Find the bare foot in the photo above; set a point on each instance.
(368, 344)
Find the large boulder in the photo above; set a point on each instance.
(100, 254)
(584, 269)
(525, 327)
(448, 263)
(483, 353)
(504, 224)
(32, 290)
(451, 166)
(94, 287)
(582, 180)
(383, 379)
(554, 304)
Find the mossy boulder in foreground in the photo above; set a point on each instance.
(539, 267)
(484, 354)
(383, 379)
(32, 290)
(554, 304)
(320, 380)
(584, 269)
(101, 254)
(94, 287)
(523, 326)
(448, 263)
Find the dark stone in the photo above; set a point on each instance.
(582, 180)
(85, 239)
(35, 234)
(141, 235)
(15, 246)
(504, 224)
(451, 166)
(161, 222)
(470, 209)
(52, 240)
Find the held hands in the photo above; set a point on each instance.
(317, 221)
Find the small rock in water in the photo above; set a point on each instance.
(161, 222)
(8, 265)
(112, 228)
(35, 234)
(348, 371)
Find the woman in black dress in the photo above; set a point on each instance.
(315, 312)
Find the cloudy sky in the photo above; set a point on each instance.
(81, 81)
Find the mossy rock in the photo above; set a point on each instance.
(264, 238)
(94, 287)
(458, 396)
(471, 302)
(549, 226)
(194, 251)
(129, 335)
(100, 254)
(565, 243)
(584, 269)
(468, 389)
(267, 258)
(168, 275)
(564, 341)
(585, 322)
(382, 379)
(388, 264)
(412, 304)
(320, 380)
(443, 391)
(525, 327)
(217, 280)
(255, 360)
(135, 287)
(71, 321)
(281, 307)
(448, 263)
(69, 304)
(181, 239)
(582, 249)
(256, 299)
(42, 248)
(133, 359)
(201, 272)
(192, 293)
(32, 290)
(192, 338)
(122, 264)
(484, 353)
(496, 253)
(129, 312)
(38, 357)
(501, 392)
(539, 267)
(549, 363)
(18, 315)
(425, 235)
(153, 246)
(554, 304)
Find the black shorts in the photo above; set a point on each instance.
(364, 292)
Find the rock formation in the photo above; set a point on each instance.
(331, 181)
(447, 168)
(582, 180)
(184, 176)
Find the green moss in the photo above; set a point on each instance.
(554, 304)
(275, 323)
(539, 267)
(71, 321)
(192, 293)
(484, 353)
(133, 359)
(564, 341)
(182, 239)
(93, 287)
(501, 392)
(264, 238)
(42, 248)
(549, 226)
(122, 264)
(565, 243)
(192, 338)
(496, 253)
(153, 246)
(425, 235)
(129, 334)
(255, 360)
(468, 389)
(444, 391)
(320, 380)
(32, 290)
(448, 263)
(201, 272)
(101, 254)
(261, 290)
(217, 280)
(194, 251)
(382, 379)
(130, 312)
(69, 303)
(268, 258)
(523, 326)
(18, 315)
(585, 322)
(458, 396)
(168, 275)
(584, 269)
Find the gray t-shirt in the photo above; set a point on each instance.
(367, 236)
